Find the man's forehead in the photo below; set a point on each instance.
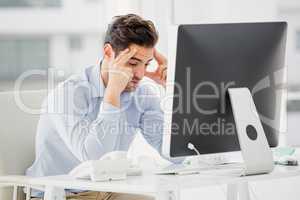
(142, 59)
(143, 53)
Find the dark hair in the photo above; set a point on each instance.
(130, 29)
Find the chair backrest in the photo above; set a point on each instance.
(18, 122)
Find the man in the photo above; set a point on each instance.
(100, 110)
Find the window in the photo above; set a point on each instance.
(30, 3)
(19, 55)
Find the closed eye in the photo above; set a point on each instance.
(133, 64)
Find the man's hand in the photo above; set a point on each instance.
(119, 75)
(160, 74)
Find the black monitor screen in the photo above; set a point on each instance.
(212, 58)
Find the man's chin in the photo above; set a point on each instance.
(130, 89)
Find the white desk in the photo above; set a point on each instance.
(163, 187)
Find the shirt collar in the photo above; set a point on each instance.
(97, 83)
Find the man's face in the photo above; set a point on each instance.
(139, 63)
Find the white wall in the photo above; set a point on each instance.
(204, 11)
(293, 55)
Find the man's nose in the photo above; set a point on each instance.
(139, 73)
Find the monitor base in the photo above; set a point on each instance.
(207, 160)
(231, 169)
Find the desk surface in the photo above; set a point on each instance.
(150, 183)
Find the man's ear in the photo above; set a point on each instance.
(108, 51)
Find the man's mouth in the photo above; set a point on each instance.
(134, 82)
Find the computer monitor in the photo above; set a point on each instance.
(210, 58)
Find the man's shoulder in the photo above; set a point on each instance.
(77, 88)
(83, 77)
(80, 82)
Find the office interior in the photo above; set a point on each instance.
(65, 36)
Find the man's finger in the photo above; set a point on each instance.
(160, 59)
(126, 72)
(125, 57)
(122, 53)
(164, 74)
(151, 75)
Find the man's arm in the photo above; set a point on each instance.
(85, 138)
(153, 117)
(151, 126)
(152, 122)
(119, 76)
(88, 139)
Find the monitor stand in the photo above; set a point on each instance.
(256, 153)
(255, 150)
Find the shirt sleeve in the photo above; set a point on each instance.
(152, 125)
(88, 139)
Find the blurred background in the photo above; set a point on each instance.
(68, 35)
